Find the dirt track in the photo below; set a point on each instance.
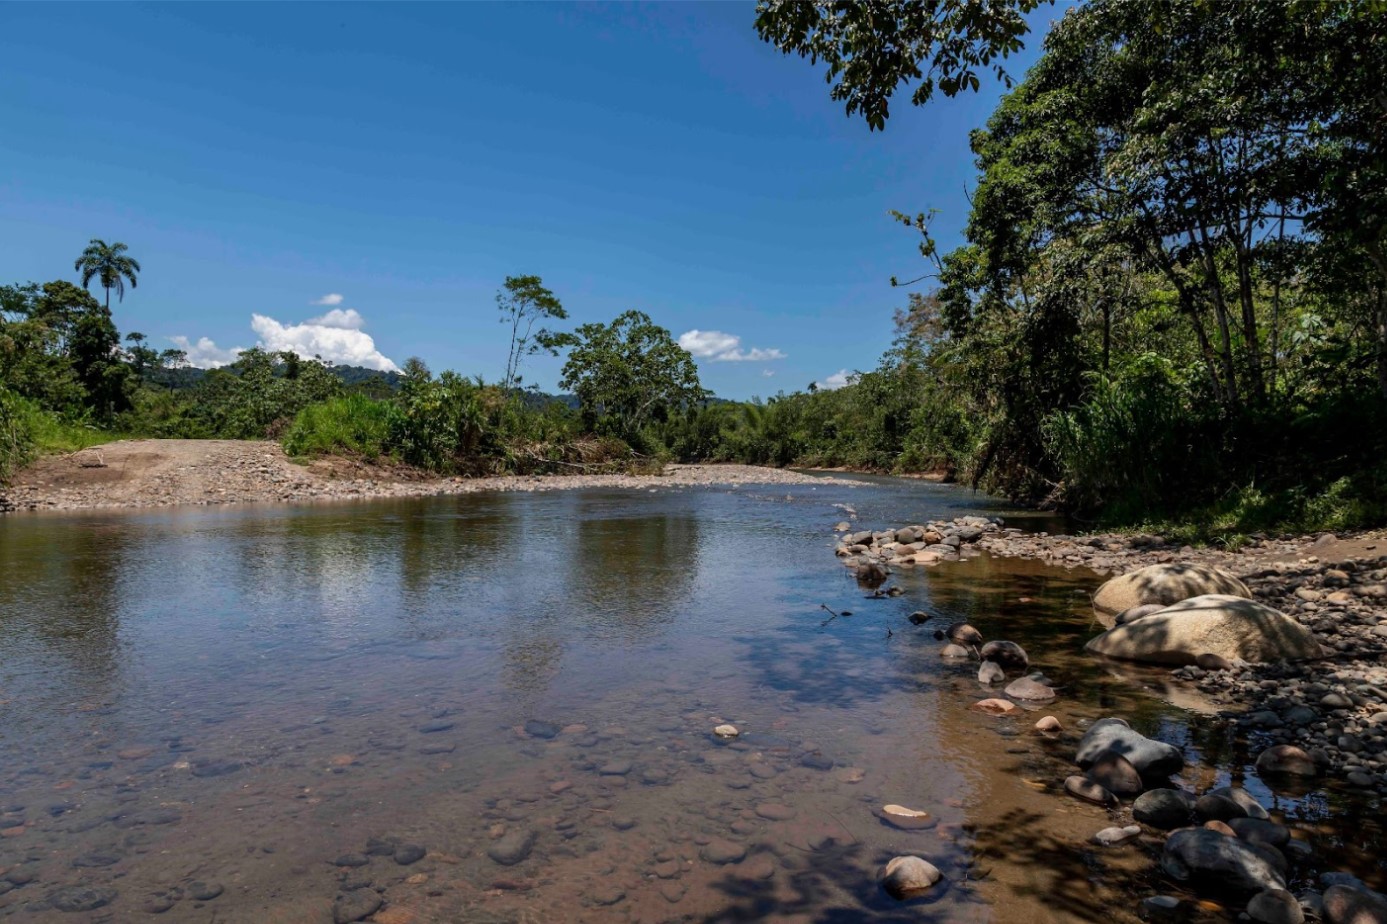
(161, 473)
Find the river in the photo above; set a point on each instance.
(264, 714)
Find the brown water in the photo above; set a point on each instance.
(240, 698)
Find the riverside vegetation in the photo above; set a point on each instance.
(1170, 308)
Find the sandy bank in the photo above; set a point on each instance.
(163, 473)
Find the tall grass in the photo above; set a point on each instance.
(28, 431)
(354, 425)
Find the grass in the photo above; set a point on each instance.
(353, 426)
(27, 431)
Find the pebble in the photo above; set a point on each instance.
(1089, 791)
(1114, 836)
(355, 906)
(615, 768)
(205, 891)
(996, 707)
(1049, 725)
(816, 761)
(406, 854)
(512, 847)
(774, 811)
(607, 894)
(907, 819)
(904, 877)
(81, 898)
(722, 851)
(539, 729)
(726, 731)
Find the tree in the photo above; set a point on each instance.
(110, 265)
(629, 373)
(523, 302)
(873, 47)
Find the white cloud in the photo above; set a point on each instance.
(336, 336)
(348, 319)
(838, 379)
(205, 354)
(330, 299)
(349, 346)
(767, 373)
(717, 346)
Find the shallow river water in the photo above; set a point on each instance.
(257, 714)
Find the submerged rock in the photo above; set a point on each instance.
(990, 672)
(1220, 624)
(1049, 725)
(898, 816)
(907, 876)
(1153, 759)
(1286, 760)
(726, 731)
(1165, 584)
(1163, 808)
(1008, 654)
(996, 707)
(1028, 690)
(955, 653)
(513, 847)
(960, 633)
(1116, 774)
(1212, 861)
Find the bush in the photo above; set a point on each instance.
(16, 437)
(355, 426)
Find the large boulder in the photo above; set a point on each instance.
(1165, 584)
(1228, 626)
(1347, 905)
(1218, 863)
(1152, 759)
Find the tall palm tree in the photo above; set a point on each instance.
(108, 263)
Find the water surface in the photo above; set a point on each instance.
(244, 697)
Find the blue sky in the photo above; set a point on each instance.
(257, 158)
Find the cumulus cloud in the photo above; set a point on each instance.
(349, 346)
(344, 319)
(767, 373)
(716, 346)
(205, 354)
(337, 336)
(838, 380)
(330, 299)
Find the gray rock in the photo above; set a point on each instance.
(1261, 831)
(205, 891)
(955, 653)
(407, 854)
(1089, 791)
(536, 728)
(1286, 760)
(81, 898)
(904, 877)
(1008, 654)
(355, 906)
(1163, 808)
(1151, 758)
(1160, 908)
(991, 672)
(512, 847)
(1030, 691)
(1218, 863)
(1347, 905)
(1275, 906)
(721, 851)
(1250, 806)
(1114, 836)
(1212, 807)
(1116, 774)
(434, 726)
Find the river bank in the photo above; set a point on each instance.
(163, 473)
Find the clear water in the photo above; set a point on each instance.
(242, 697)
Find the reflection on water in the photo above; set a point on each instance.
(277, 702)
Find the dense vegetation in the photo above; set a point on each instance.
(1171, 304)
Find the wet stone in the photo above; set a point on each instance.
(512, 847)
(536, 728)
(774, 811)
(434, 726)
(669, 869)
(437, 748)
(156, 816)
(81, 898)
(719, 850)
(654, 776)
(615, 768)
(351, 860)
(607, 894)
(816, 761)
(95, 860)
(355, 906)
(671, 892)
(205, 891)
(157, 904)
(409, 853)
(210, 768)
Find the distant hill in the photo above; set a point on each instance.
(187, 377)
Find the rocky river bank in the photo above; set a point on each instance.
(1284, 637)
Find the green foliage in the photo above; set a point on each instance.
(353, 425)
(629, 374)
(523, 302)
(872, 49)
(109, 264)
(259, 394)
(16, 436)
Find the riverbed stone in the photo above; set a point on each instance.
(1009, 655)
(1133, 613)
(722, 851)
(1049, 725)
(1229, 626)
(73, 899)
(1116, 774)
(1165, 584)
(1350, 905)
(537, 728)
(1029, 691)
(1286, 760)
(1244, 799)
(512, 847)
(1163, 808)
(408, 854)
(1151, 758)
(205, 891)
(906, 819)
(1261, 831)
(1275, 906)
(904, 877)
(1115, 836)
(991, 672)
(953, 652)
(961, 633)
(996, 707)
(1211, 861)
(354, 906)
(1084, 788)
